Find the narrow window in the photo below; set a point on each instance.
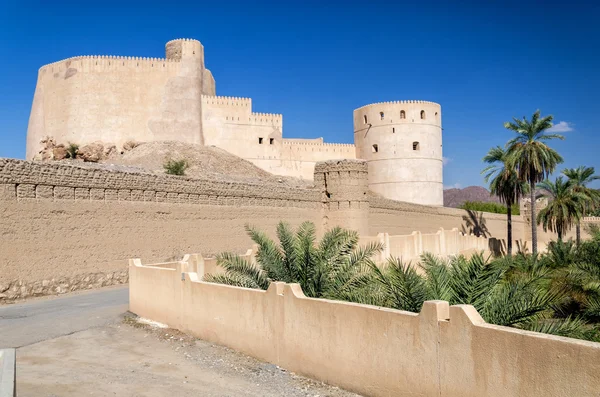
(393, 130)
(415, 145)
(381, 115)
(365, 117)
(402, 114)
(260, 141)
(422, 115)
(375, 148)
(271, 141)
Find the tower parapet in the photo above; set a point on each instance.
(184, 48)
(344, 187)
(402, 144)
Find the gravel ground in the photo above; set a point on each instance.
(133, 359)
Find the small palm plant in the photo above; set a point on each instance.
(565, 206)
(531, 157)
(72, 151)
(503, 292)
(175, 167)
(581, 177)
(335, 268)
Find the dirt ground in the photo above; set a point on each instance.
(204, 162)
(131, 359)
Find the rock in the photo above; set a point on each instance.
(109, 151)
(127, 146)
(59, 152)
(93, 152)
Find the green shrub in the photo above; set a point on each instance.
(72, 150)
(495, 208)
(175, 167)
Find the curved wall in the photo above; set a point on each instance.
(403, 150)
(114, 99)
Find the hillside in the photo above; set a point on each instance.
(456, 197)
(204, 162)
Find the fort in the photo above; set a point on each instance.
(115, 99)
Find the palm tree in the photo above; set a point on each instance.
(505, 184)
(336, 268)
(531, 157)
(580, 177)
(565, 206)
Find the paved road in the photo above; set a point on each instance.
(38, 320)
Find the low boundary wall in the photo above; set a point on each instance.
(442, 243)
(445, 351)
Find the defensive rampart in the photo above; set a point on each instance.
(72, 226)
(442, 351)
(67, 227)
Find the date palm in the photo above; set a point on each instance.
(519, 301)
(531, 157)
(335, 268)
(505, 184)
(581, 177)
(565, 206)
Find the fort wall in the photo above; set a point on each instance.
(396, 217)
(115, 99)
(70, 226)
(230, 124)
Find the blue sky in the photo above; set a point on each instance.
(316, 61)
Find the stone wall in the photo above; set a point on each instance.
(66, 227)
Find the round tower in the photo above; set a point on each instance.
(184, 48)
(402, 144)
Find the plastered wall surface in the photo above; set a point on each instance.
(121, 98)
(442, 351)
(402, 143)
(396, 217)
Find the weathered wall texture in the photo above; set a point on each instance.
(442, 351)
(59, 222)
(65, 227)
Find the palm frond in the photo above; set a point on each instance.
(238, 267)
(268, 255)
(437, 272)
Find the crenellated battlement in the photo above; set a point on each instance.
(109, 62)
(321, 144)
(399, 102)
(226, 101)
(177, 40)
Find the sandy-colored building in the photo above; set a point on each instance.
(113, 100)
